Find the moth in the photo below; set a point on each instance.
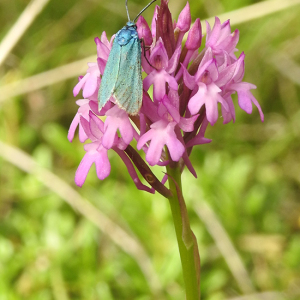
(122, 77)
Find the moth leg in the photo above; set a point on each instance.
(146, 48)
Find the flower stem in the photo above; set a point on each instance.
(186, 240)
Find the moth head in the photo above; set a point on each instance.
(130, 25)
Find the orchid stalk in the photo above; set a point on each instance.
(189, 87)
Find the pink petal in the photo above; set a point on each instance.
(159, 57)
(175, 147)
(228, 115)
(144, 31)
(153, 23)
(96, 126)
(83, 169)
(188, 79)
(196, 101)
(73, 127)
(184, 19)
(80, 84)
(116, 119)
(101, 64)
(85, 125)
(187, 124)
(194, 38)
(198, 140)
(213, 37)
(148, 81)
(102, 163)
(173, 62)
(90, 86)
(105, 40)
(149, 108)
(173, 111)
(102, 49)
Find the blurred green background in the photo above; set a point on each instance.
(244, 206)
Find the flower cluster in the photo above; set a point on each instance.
(187, 87)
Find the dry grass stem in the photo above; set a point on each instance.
(286, 66)
(79, 67)
(252, 12)
(17, 30)
(44, 79)
(119, 236)
(261, 296)
(225, 246)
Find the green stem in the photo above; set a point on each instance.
(186, 240)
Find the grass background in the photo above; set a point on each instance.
(244, 206)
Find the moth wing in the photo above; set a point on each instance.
(128, 91)
(110, 74)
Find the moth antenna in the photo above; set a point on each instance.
(141, 10)
(127, 10)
